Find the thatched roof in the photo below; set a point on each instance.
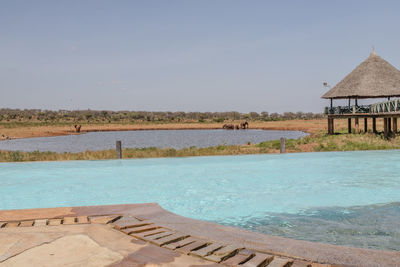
(373, 78)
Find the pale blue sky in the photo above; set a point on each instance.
(187, 55)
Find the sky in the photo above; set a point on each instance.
(199, 55)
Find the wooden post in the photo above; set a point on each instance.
(349, 125)
(395, 125)
(374, 125)
(329, 125)
(385, 127)
(118, 149)
(389, 125)
(365, 125)
(283, 145)
(331, 129)
(357, 125)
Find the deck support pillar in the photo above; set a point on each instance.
(395, 125)
(374, 125)
(349, 125)
(389, 125)
(365, 125)
(385, 127)
(357, 125)
(329, 125)
(331, 128)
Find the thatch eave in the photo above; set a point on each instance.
(359, 97)
(373, 78)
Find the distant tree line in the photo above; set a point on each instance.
(7, 115)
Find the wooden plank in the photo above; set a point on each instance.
(149, 233)
(181, 243)
(281, 262)
(41, 222)
(241, 257)
(82, 219)
(26, 223)
(208, 250)
(69, 220)
(223, 253)
(128, 221)
(139, 229)
(236, 260)
(102, 219)
(11, 224)
(259, 260)
(300, 263)
(54, 222)
(193, 246)
(169, 239)
(156, 236)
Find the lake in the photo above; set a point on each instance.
(177, 139)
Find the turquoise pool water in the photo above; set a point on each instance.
(349, 198)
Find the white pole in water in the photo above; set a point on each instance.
(119, 149)
(283, 145)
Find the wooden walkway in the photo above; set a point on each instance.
(161, 235)
(137, 228)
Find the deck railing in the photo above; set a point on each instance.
(377, 108)
(348, 110)
(386, 107)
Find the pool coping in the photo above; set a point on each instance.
(271, 245)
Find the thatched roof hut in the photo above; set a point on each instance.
(374, 78)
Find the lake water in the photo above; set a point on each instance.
(346, 198)
(150, 138)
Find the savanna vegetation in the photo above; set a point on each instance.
(45, 117)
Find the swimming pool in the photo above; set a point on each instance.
(348, 198)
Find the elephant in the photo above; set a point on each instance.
(77, 128)
(244, 125)
(228, 126)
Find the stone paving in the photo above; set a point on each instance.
(141, 235)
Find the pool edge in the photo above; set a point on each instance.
(297, 249)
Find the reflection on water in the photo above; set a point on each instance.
(372, 226)
(150, 138)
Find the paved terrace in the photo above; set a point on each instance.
(147, 235)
